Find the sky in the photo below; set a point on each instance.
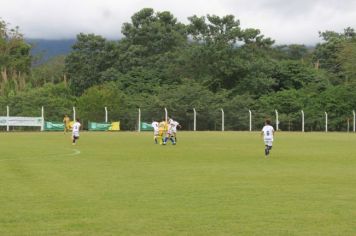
(285, 21)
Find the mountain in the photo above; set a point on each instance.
(46, 49)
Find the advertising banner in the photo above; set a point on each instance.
(20, 121)
(146, 126)
(53, 126)
(95, 126)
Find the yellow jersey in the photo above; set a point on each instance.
(66, 121)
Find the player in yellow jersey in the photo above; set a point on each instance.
(66, 122)
(162, 129)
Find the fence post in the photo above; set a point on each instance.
(74, 114)
(277, 121)
(42, 115)
(139, 120)
(222, 120)
(249, 111)
(302, 121)
(354, 115)
(195, 120)
(106, 115)
(326, 122)
(7, 120)
(166, 114)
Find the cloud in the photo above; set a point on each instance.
(294, 21)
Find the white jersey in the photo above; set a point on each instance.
(173, 126)
(155, 125)
(75, 129)
(268, 132)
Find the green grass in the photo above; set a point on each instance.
(211, 183)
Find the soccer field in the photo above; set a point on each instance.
(210, 183)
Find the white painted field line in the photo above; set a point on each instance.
(74, 153)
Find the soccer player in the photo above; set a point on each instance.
(267, 133)
(172, 131)
(66, 122)
(155, 126)
(173, 126)
(75, 131)
(162, 128)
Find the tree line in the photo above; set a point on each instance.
(208, 64)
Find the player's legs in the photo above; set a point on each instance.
(170, 137)
(74, 139)
(266, 150)
(268, 147)
(160, 137)
(155, 136)
(166, 138)
(175, 135)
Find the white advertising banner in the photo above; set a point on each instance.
(20, 121)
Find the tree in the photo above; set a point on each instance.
(149, 37)
(222, 52)
(347, 59)
(330, 55)
(51, 71)
(292, 52)
(156, 32)
(92, 102)
(15, 60)
(181, 99)
(91, 55)
(294, 75)
(288, 103)
(56, 100)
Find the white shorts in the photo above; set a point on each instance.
(156, 132)
(268, 142)
(172, 131)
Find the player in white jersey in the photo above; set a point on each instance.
(172, 131)
(155, 127)
(173, 126)
(75, 131)
(267, 133)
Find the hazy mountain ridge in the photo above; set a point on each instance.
(46, 49)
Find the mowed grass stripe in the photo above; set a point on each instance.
(210, 183)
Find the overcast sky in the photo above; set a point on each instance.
(286, 21)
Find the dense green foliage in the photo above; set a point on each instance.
(208, 64)
(15, 60)
(210, 183)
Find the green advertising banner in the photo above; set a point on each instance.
(53, 126)
(95, 126)
(146, 126)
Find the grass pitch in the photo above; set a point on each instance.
(210, 183)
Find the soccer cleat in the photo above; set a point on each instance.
(174, 143)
